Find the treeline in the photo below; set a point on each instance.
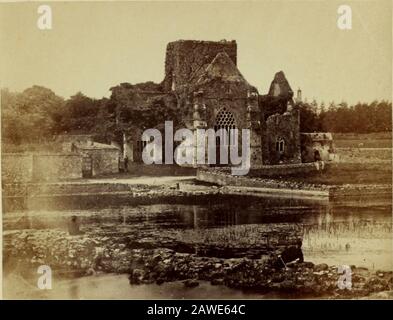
(359, 118)
(37, 114)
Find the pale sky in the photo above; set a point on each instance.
(96, 45)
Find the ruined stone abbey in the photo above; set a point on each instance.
(202, 80)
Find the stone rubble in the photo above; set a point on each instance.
(89, 254)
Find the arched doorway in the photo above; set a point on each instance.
(224, 120)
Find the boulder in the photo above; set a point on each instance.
(191, 283)
(375, 284)
(288, 286)
(136, 276)
(305, 264)
(321, 267)
(217, 282)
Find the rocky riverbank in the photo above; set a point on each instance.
(75, 256)
(208, 183)
(303, 279)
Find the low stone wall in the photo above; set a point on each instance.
(283, 170)
(272, 170)
(16, 167)
(288, 188)
(68, 188)
(223, 178)
(104, 160)
(19, 168)
(49, 167)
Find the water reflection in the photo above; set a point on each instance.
(332, 233)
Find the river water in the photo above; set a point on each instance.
(357, 233)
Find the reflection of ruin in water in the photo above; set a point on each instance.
(327, 228)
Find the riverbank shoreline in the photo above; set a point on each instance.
(137, 190)
(160, 256)
(75, 257)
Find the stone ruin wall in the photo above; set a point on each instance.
(104, 161)
(285, 126)
(16, 167)
(185, 57)
(22, 168)
(234, 98)
(57, 167)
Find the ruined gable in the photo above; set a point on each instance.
(280, 86)
(223, 87)
(281, 139)
(280, 93)
(221, 68)
(186, 58)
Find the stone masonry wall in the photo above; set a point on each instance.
(16, 167)
(40, 167)
(185, 57)
(262, 171)
(104, 161)
(286, 127)
(49, 167)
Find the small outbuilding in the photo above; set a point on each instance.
(317, 142)
(98, 158)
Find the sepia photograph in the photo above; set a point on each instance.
(196, 150)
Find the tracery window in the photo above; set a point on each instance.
(225, 120)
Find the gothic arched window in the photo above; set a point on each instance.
(225, 120)
(280, 145)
